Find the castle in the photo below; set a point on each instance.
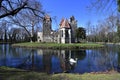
(65, 34)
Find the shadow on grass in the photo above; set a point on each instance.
(28, 75)
(7, 73)
(17, 74)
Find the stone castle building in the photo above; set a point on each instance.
(65, 34)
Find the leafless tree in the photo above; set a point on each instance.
(89, 30)
(12, 7)
(1, 33)
(23, 13)
(4, 28)
(105, 30)
(107, 27)
(28, 21)
(103, 6)
(16, 34)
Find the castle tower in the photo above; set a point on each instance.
(73, 24)
(47, 23)
(64, 32)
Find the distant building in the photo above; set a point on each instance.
(65, 34)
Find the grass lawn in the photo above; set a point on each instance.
(58, 46)
(16, 74)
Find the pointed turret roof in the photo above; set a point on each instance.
(64, 23)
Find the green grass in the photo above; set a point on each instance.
(87, 76)
(58, 46)
(17, 74)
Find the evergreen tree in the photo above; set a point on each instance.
(80, 33)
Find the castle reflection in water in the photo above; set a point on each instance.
(58, 61)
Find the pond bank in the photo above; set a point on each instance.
(17, 74)
(58, 46)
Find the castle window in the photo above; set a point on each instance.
(66, 33)
(61, 33)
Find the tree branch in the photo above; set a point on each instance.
(10, 4)
(1, 3)
(16, 22)
(33, 10)
(13, 12)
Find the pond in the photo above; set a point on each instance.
(59, 61)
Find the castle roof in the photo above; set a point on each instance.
(64, 23)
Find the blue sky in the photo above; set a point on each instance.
(66, 8)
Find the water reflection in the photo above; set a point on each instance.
(58, 61)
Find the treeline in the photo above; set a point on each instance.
(107, 30)
(14, 35)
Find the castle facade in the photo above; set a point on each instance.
(65, 34)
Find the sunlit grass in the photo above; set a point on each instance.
(59, 46)
(87, 76)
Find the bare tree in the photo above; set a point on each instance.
(89, 30)
(23, 13)
(16, 34)
(107, 27)
(4, 28)
(28, 21)
(104, 31)
(1, 33)
(104, 6)
(12, 7)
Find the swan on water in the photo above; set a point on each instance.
(72, 61)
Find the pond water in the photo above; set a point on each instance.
(58, 61)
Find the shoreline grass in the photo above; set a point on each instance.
(58, 46)
(7, 73)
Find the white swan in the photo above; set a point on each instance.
(72, 61)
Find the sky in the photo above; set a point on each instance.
(67, 8)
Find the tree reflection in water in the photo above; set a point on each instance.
(58, 61)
